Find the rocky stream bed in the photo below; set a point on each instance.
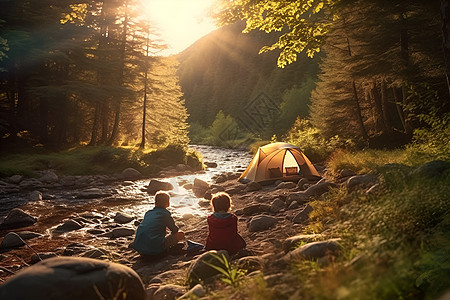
(95, 217)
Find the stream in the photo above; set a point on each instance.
(128, 197)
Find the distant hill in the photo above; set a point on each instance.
(223, 71)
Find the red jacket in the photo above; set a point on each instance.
(223, 233)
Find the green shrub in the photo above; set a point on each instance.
(312, 143)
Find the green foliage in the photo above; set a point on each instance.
(397, 241)
(222, 71)
(198, 134)
(295, 104)
(230, 275)
(312, 143)
(303, 24)
(98, 160)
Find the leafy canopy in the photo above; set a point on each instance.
(303, 23)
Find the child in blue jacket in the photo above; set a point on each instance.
(151, 234)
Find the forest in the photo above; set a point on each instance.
(96, 118)
(86, 73)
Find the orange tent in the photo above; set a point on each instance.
(279, 161)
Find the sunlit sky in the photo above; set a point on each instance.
(181, 22)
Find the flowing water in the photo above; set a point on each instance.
(127, 197)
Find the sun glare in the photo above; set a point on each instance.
(180, 22)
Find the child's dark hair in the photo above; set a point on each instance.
(221, 202)
(162, 199)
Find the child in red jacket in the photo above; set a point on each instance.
(223, 234)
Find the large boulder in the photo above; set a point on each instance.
(130, 173)
(17, 218)
(73, 278)
(261, 222)
(200, 271)
(200, 187)
(315, 250)
(157, 185)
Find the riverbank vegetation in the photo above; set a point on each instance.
(99, 160)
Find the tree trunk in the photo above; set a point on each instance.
(144, 109)
(94, 133)
(445, 17)
(384, 107)
(357, 106)
(399, 107)
(379, 122)
(118, 99)
(358, 113)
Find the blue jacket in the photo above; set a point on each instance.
(150, 235)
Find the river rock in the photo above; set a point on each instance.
(68, 225)
(250, 263)
(198, 291)
(37, 257)
(301, 183)
(11, 240)
(75, 249)
(49, 177)
(168, 292)
(346, 173)
(210, 164)
(73, 278)
(319, 188)
(17, 218)
(130, 174)
(181, 167)
(315, 250)
(235, 189)
(277, 205)
(221, 178)
(35, 196)
(364, 180)
(286, 185)
(303, 215)
(253, 186)
(261, 222)
(122, 231)
(199, 271)
(157, 185)
(299, 197)
(293, 241)
(255, 209)
(200, 187)
(16, 179)
(93, 193)
(28, 235)
(95, 253)
(123, 218)
(432, 169)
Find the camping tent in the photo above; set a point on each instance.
(279, 161)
